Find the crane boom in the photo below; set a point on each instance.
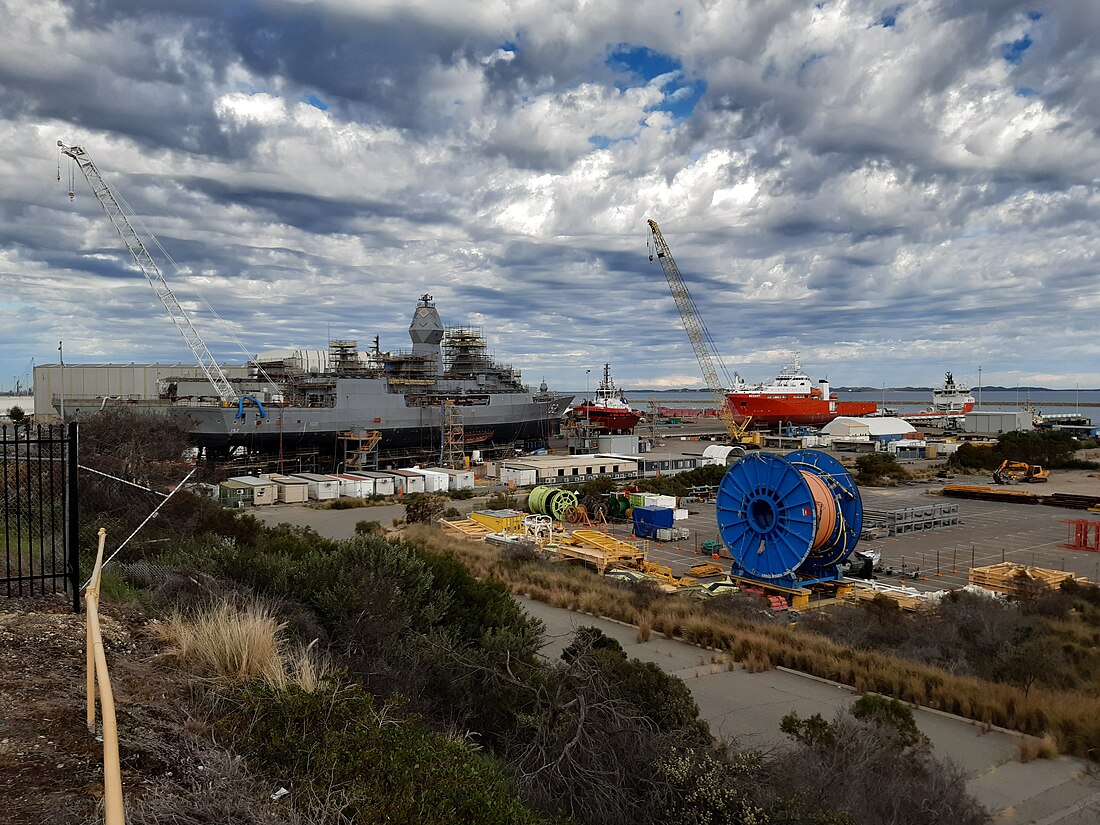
(121, 220)
(697, 334)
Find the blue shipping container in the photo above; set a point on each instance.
(655, 516)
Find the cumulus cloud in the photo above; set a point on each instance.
(893, 190)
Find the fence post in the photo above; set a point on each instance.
(72, 511)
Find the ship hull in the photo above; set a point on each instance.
(607, 419)
(775, 411)
(366, 404)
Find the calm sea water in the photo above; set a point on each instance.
(9, 401)
(1045, 401)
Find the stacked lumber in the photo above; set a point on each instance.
(989, 494)
(906, 601)
(1010, 579)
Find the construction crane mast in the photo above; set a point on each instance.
(697, 333)
(121, 218)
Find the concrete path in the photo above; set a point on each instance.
(747, 707)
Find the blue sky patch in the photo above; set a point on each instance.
(1034, 15)
(889, 17)
(641, 61)
(1013, 52)
(644, 64)
(1026, 91)
(316, 102)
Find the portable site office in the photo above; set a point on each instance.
(435, 481)
(354, 486)
(383, 482)
(246, 491)
(408, 482)
(321, 487)
(290, 490)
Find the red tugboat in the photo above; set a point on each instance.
(608, 411)
(791, 398)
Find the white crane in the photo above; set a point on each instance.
(121, 218)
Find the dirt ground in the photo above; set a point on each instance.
(51, 767)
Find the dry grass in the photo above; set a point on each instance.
(1042, 748)
(231, 644)
(1070, 720)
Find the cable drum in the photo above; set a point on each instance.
(785, 517)
(551, 501)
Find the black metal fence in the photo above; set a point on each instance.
(38, 511)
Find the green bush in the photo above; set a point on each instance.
(388, 769)
(1053, 449)
(423, 507)
(872, 467)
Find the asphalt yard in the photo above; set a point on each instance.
(988, 533)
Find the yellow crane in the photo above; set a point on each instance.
(706, 352)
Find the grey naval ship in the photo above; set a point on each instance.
(306, 398)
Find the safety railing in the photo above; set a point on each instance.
(114, 811)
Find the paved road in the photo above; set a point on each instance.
(747, 707)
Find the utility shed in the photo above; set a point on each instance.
(366, 483)
(321, 487)
(995, 422)
(406, 481)
(567, 469)
(384, 483)
(435, 481)
(289, 489)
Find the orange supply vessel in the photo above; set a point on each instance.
(791, 398)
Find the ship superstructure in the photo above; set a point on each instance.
(792, 398)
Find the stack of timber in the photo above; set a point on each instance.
(1011, 579)
(906, 598)
(1071, 501)
(989, 494)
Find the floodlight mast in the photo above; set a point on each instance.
(121, 218)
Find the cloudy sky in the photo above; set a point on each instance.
(893, 190)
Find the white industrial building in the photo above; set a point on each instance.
(995, 422)
(127, 382)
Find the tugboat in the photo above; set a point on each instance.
(608, 411)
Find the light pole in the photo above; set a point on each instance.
(587, 401)
(979, 388)
(61, 358)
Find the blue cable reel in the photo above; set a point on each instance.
(789, 519)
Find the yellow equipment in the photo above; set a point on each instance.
(1011, 472)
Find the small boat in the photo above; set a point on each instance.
(608, 411)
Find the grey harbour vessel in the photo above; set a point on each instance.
(307, 398)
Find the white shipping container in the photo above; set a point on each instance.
(666, 501)
(457, 479)
(679, 513)
(410, 482)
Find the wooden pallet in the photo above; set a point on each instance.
(903, 600)
(1010, 579)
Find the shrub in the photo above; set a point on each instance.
(874, 466)
(423, 508)
(388, 769)
(461, 495)
(369, 528)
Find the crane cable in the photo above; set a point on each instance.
(136, 218)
